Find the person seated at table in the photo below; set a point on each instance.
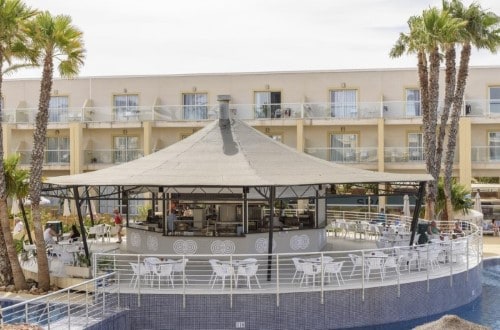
(187, 212)
(458, 228)
(433, 230)
(74, 233)
(495, 228)
(50, 235)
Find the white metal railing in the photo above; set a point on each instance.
(275, 111)
(278, 273)
(78, 306)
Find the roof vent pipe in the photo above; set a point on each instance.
(224, 110)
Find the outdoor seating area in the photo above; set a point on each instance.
(332, 269)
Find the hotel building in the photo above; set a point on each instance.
(369, 119)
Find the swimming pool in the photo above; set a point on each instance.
(483, 310)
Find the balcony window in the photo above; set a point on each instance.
(415, 147)
(267, 104)
(343, 148)
(126, 106)
(495, 100)
(413, 102)
(344, 103)
(195, 106)
(494, 145)
(126, 148)
(57, 150)
(58, 109)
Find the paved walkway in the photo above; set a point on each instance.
(491, 246)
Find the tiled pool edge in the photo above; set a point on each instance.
(341, 308)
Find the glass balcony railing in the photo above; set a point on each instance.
(275, 111)
(404, 155)
(345, 155)
(52, 157)
(111, 156)
(485, 154)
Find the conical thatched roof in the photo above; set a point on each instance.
(451, 322)
(230, 155)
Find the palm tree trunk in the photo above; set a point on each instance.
(463, 72)
(430, 124)
(39, 140)
(448, 100)
(5, 269)
(17, 271)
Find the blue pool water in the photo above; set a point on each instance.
(484, 310)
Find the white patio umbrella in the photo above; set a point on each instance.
(477, 203)
(66, 208)
(406, 206)
(15, 206)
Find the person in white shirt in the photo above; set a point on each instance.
(49, 235)
(19, 226)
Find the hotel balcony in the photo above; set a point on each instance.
(96, 159)
(54, 159)
(280, 111)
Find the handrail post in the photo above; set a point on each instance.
(451, 263)
(231, 279)
(184, 282)
(467, 260)
(86, 304)
(48, 314)
(427, 268)
(322, 295)
(69, 311)
(277, 280)
(362, 275)
(139, 280)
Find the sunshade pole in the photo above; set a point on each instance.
(272, 193)
(416, 211)
(76, 195)
(89, 206)
(25, 219)
(245, 210)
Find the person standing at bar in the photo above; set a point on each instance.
(119, 224)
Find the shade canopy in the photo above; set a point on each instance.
(229, 155)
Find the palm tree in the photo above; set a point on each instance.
(460, 198)
(53, 38)
(481, 29)
(13, 15)
(16, 183)
(422, 40)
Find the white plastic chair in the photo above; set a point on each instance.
(298, 262)
(356, 260)
(139, 270)
(180, 267)
(334, 268)
(222, 271)
(165, 270)
(150, 263)
(392, 262)
(310, 270)
(248, 270)
(374, 263)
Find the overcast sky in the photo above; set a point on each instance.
(130, 37)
